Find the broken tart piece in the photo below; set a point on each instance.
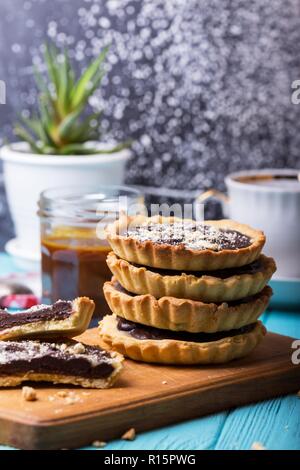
(63, 319)
(184, 244)
(68, 362)
(148, 344)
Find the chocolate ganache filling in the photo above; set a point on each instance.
(54, 358)
(61, 310)
(192, 235)
(251, 268)
(143, 332)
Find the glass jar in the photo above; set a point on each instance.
(73, 244)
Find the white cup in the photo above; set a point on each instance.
(273, 208)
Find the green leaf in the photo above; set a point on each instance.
(66, 125)
(50, 57)
(36, 127)
(63, 77)
(80, 90)
(21, 132)
(84, 131)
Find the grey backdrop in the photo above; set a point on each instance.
(202, 86)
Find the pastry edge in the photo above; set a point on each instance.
(175, 314)
(179, 352)
(70, 327)
(140, 280)
(178, 257)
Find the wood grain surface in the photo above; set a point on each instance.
(141, 400)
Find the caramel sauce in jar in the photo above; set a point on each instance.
(73, 243)
(75, 266)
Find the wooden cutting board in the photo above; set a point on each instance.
(141, 398)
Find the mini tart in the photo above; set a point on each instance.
(170, 351)
(171, 313)
(62, 319)
(196, 286)
(179, 255)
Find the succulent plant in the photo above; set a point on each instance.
(62, 125)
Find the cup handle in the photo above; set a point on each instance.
(214, 194)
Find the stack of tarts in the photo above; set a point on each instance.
(185, 292)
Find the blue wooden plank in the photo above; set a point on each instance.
(285, 323)
(196, 434)
(274, 423)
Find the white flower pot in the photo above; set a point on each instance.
(26, 175)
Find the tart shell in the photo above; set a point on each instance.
(140, 280)
(175, 314)
(179, 352)
(74, 325)
(178, 257)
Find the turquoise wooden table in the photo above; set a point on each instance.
(274, 423)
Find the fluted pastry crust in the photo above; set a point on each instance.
(140, 280)
(169, 351)
(175, 314)
(179, 257)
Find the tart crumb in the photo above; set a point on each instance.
(164, 382)
(62, 394)
(29, 394)
(129, 435)
(71, 400)
(99, 444)
(258, 446)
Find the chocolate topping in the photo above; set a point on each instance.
(68, 358)
(143, 332)
(59, 311)
(192, 235)
(251, 268)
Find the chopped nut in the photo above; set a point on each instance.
(99, 444)
(257, 446)
(164, 382)
(129, 435)
(62, 394)
(29, 394)
(79, 348)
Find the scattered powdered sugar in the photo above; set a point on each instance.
(12, 351)
(195, 236)
(58, 303)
